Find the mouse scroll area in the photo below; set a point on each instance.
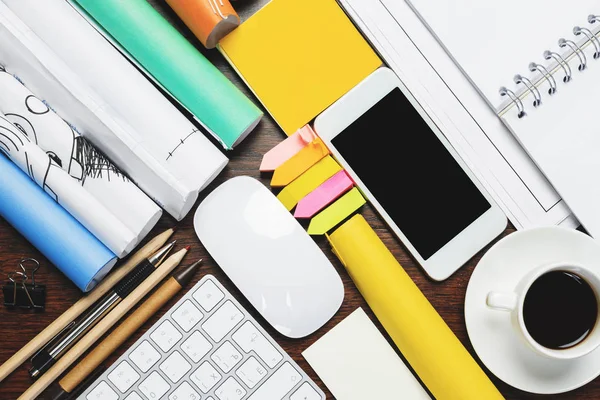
(269, 256)
(258, 214)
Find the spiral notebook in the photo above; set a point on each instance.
(537, 64)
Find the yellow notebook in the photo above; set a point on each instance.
(298, 57)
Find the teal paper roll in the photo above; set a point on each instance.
(178, 66)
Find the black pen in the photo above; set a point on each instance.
(48, 355)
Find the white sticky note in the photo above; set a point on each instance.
(356, 362)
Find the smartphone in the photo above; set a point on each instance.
(405, 167)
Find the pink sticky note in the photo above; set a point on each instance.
(288, 148)
(323, 195)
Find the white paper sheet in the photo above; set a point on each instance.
(63, 189)
(356, 363)
(78, 157)
(479, 137)
(91, 85)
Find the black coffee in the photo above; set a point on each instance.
(560, 310)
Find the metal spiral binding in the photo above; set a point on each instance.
(536, 93)
(561, 61)
(562, 43)
(533, 67)
(546, 74)
(507, 92)
(591, 38)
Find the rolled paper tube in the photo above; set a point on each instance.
(308, 181)
(299, 163)
(430, 347)
(287, 148)
(89, 83)
(52, 230)
(85, 164)
(178, 66)
(210, 20)
(61, 187)
(325, 194)
(327, 219)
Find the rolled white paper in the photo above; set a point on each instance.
(64, 190)
(78, 157)
(93, 86)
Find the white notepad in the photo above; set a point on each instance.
(356, 363)
(496, 43)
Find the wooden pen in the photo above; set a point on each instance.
(69, 383)
(82, 304)
(103, 326)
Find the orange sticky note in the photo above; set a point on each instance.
(308, 181)
(299, 163)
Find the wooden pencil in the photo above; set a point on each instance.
(103, 326)
(82, 304)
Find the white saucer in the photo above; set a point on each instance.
(495, 340)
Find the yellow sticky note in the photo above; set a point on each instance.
(299, 57)
(308, 181)
(299, 163)
(335, 213)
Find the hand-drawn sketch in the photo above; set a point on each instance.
(15, 145)
(32, 134)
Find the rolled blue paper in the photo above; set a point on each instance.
(51, 229)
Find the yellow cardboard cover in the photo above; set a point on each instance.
(427, 343)
(308, 181)
(299, 57)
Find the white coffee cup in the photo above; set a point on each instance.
(513, 302)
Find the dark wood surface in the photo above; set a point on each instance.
(18, 327)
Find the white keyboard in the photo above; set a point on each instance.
(206, 347)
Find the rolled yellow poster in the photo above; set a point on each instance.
(431, 348)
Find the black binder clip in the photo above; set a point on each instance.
(18, 293)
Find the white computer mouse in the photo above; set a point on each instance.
(269, 256)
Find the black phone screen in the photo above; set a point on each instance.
(412, 175)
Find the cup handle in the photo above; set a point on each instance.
(505, 301)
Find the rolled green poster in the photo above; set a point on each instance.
(178, 66)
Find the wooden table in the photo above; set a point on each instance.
(18, 327)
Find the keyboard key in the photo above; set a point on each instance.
(124, 376)
(154, 386)
(208, 295)
(196, 346)
(306, 392)
(133, 396)
(223, 321)
(278, 385)
(206, 377)
(251, 372)
(102, 392)
(230, 390)
(175, 367)
(145, 356)
(165, 336)
(184, 392)
(187, 316)
(226, 357)
(249, 338)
